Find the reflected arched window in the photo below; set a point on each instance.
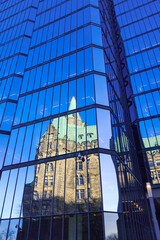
(51, 167)
(77, 180)
(81, 180)
(79, 166)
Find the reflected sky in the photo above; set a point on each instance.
(109, 180)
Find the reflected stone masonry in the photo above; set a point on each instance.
(82, 180)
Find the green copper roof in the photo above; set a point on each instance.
(151, 141)
(71, 131)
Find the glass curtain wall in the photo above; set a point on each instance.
(67, 164)
(139, 23)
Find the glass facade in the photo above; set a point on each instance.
(68, 163)
(139, 23)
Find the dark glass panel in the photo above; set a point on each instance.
(96, 223)
(82, 226)
(45, 228)
(56, 228)
(33, 229)
(23, 229)
(69, 227)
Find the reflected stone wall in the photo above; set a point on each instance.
(66, 185)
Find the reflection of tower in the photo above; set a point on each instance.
(57, 184)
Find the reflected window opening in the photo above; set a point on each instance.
(51, 167)
(35, 195)
(51, 180)
(47, 165)
(77, 180)
(46, 181)
(81, 180)
(44, 194)
(82, 193)
(36, 181)
(79, 166)
(77, 194)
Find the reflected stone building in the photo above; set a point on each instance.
(82, 177)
